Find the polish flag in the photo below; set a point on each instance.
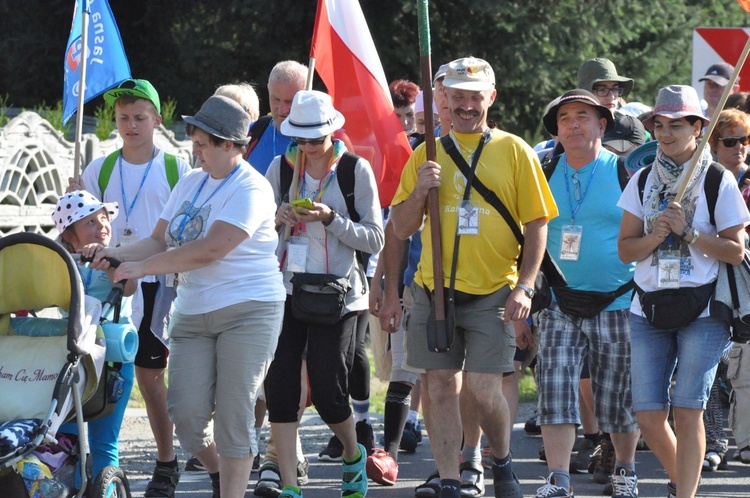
(348, 64)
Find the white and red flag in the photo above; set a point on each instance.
(348, 64)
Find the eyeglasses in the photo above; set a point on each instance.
(305, 141)
(603, 91)
(576, 186)
(732, 141)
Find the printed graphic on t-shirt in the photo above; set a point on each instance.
(188, 224)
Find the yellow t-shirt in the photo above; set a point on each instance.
(488, 260)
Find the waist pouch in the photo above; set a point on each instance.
(674, 308)
(319, 297)
(587, 304)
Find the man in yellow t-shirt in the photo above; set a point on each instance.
(494, 290)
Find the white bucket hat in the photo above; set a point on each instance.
(78, 204)
(312, 116)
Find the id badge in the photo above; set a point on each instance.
(669, 270)
(296, 254)
(128, 235)
(468, 219)
(570, 244)
(171, 279)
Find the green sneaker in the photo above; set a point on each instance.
(290, 493)
(354, 483)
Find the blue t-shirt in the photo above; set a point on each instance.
(598, 267)
(272, 143)
(97, 285)
(415, 250)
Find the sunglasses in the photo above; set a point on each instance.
(732, 141)
(305, 141)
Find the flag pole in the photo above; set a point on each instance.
(441, 332)
(81, 90)
(685, 179)
(299, 159)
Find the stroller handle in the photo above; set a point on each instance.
(114, 298)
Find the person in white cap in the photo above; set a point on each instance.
(493, 292)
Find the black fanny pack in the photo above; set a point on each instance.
(587, 304)
(674, 308)
(319, 297)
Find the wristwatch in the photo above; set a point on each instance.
(527, 290)
(695, 233)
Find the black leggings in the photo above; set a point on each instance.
(359, 376)
(330, 354)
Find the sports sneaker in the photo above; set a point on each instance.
(290, 493)
(303, 466)
(550, 490)
(624, 484)
(579, 463)
(332, 452)
(531, 427)
(714, 461)
(163, 482)
(409, 440)
(382, 468)
(354, 481)
(256, 465)
(672, 490)
(194, 465)
(605, 463)
(269, 480)
(365, 436)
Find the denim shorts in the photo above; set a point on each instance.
(696, 349)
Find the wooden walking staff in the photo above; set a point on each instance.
(299, 159)
(685, 180)
(441, 333)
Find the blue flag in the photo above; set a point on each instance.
(107, 63)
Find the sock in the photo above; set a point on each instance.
(629, 467)
(361, 409)
(413, 414)
(214, 480)
(394, 417)
(355, 460)
(502, 469)
(562, 478)
(472, 454)
(300, 453)
(450, 488)
(594, 438)
(293, 488)
(169, 465)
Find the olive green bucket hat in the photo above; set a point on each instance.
(593, 71)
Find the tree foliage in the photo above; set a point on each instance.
(187, 49)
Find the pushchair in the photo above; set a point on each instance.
(52, 370)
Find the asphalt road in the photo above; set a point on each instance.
(137, 457)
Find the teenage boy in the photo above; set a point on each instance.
(140, 177)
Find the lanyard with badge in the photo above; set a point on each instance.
(129, 235)
(668, 275)
(570, 243)
(189, 215)
(468, 213)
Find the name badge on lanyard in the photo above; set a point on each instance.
(570, 245)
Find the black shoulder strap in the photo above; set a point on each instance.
(549, 165)
(711, 187)
(345, 175)
(256, 131)
(642, 181)
(286, 174)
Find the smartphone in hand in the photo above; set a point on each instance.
(305, 202)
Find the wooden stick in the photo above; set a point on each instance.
(299, 160)
(685, 180)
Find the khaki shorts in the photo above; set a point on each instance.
(482, 342)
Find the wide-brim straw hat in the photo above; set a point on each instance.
(312, 115)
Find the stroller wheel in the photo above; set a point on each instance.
(111, 483)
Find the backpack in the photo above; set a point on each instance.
(622, 173)
(256, 131)
(710, 186)
(170, 163)
(345, 177)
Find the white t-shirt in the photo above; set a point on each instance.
(151, 198)
(250, 272)
(695, 268)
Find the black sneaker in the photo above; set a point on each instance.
(163, 483)
(365, 436)
(579, 463)
(333, 451)
(256, 465)
(531, 427)
(194, 465)
(409, 440)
